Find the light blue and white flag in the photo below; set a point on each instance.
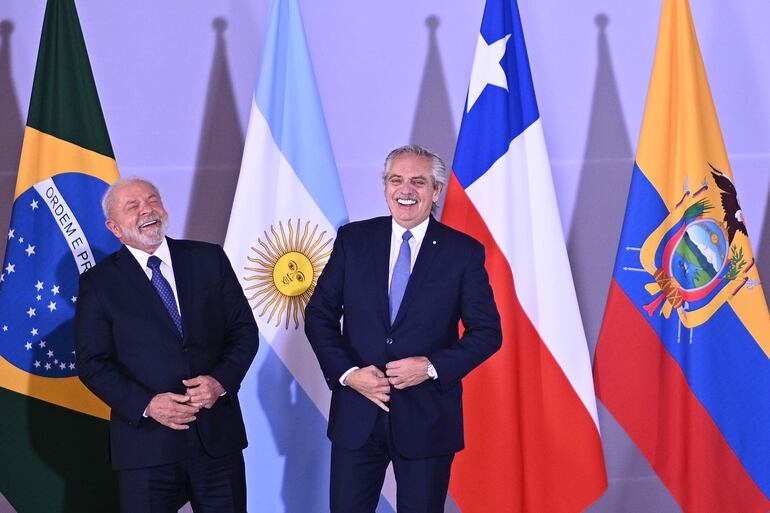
(286, 211)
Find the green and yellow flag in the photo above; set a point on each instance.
(54, 431)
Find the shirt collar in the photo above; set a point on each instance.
(162, 252)
(418, 232)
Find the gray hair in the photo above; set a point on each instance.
(108, 200)
(437, 168)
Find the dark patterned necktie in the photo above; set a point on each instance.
(165, 292)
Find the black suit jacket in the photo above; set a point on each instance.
(448, 284)
(128, 350)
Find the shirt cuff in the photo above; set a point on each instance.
(432, 372)
(347, 373)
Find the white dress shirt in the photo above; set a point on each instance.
(397, 232)
(166, 268)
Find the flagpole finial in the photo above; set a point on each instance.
(602, 20)
(432, 22)
(219, 24)
(6, 27)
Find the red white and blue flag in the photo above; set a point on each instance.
(532, 435)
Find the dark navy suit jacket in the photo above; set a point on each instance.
(128, 349)
(448, 284)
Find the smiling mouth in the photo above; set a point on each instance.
(148, 224)
(406, 202)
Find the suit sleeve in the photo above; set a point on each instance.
(482, 335)
(95, 356)
(241, 335)
(323, 314)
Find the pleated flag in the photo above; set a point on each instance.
(287, 208)
(682, 358)
(54, 431)
(532, 435)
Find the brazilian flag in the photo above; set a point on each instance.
(53, 454)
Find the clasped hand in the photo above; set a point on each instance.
(372, 384)
(375, 385)
(407, 372)
(176, 411)
(203, 391)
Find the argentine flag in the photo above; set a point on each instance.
(287, 208)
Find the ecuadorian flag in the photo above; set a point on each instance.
(682, 358)
(53, 429)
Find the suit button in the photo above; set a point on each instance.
(388, 340)
(184, 349)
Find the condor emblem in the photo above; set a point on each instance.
(696, 255)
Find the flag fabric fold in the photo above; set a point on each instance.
(532, 435)
(287, 208)
(682, 358)
(52, 425)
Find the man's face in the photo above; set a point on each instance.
(137, 217)
(409, 190)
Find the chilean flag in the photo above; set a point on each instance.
(532, 434)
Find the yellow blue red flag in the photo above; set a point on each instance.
(682, 358)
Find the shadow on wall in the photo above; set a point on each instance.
(5, 506)
(762, 253)
(734, 19)
(11, 132)
(602, 193)
(299, 433)
(219, 152)
(433, 125)
(594, 234)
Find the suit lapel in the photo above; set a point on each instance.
(428, 249)
(147, 294)
(381, 263)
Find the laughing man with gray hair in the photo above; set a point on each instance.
(164, 336)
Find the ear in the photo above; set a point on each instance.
(114, 228)
(437, 192)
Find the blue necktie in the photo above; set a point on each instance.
(401, 272)
(165, 292)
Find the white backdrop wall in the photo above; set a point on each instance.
(175, 79)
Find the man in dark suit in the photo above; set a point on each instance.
(396, 362)
(164, 336)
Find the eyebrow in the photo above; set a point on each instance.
(134, 201)
(396, 175)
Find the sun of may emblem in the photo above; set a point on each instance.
(287, 265)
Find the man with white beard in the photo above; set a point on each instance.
(164, 336)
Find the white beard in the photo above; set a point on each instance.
(133, 235)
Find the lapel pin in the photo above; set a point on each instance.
(434, 242)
